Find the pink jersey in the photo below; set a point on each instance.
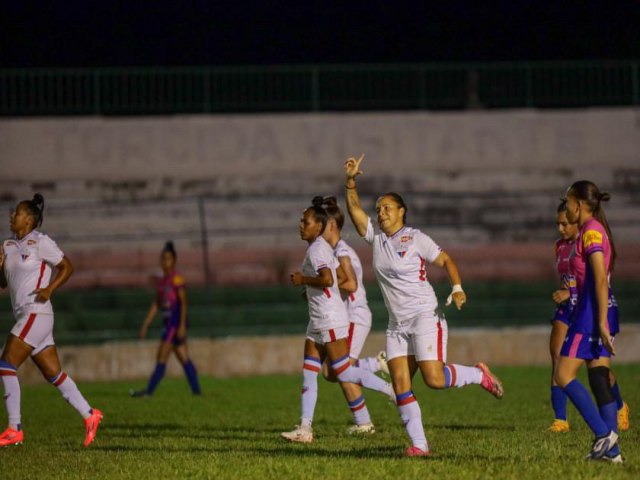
(167, 297)
(592, 238)
(564, 248)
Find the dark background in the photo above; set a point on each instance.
(119, 33)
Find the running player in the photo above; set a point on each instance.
(328, 328)
(28, 261)
(171, 300)
(417, 331)
(560, 324)
(356, 303)
(594, 322)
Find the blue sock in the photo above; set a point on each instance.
(609, 414)
(580, 397)
(156, 376)
(192, 377)
(559, 402)
(616, 395)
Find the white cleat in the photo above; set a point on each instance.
(382, 362)
(299, 434)
(602, 445)
(613, 458)
(365, 428)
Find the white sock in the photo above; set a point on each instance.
(412, 419)
(11, 393)
(369, 364)
(359, 411)
(310, 372)
(461, 375)
(347, 373)
(71, 394)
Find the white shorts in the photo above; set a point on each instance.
(36, 330)
(425, 338)
(322, 337)
(357, 336)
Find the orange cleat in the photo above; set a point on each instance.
(11, 437)
(490, 382)
(623, 418)
(559, 426)
(91, 424)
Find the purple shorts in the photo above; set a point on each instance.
(169, 335)
(563, 313)
(584, 346)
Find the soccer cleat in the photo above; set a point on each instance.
(299, 434)
(623, 418)
(602, 445)
(11, 436)
(490, 382)
(382, 362)
(91, 425)
(414, 451)
(609, 457)
(139, 393)
(559, 426)
(365, 428)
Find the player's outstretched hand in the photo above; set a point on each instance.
(352, 166)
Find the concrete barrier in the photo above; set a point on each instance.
(247, 356)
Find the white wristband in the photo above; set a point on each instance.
(455, 289)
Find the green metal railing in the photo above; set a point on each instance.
(152, 91)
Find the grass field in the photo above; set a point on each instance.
(232, 431)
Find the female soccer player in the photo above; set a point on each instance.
(28, 261)
(357, 307)
(594, 322)
(417, 331)
(560, 324)
(171, 300)
(328, 327)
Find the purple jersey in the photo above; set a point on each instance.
(592, 238)
(167, 298)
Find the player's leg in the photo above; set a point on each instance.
(14, 354)
(182, 353)
(566, 373)
(162, 355)
(623, 407)
(600, 383)
(47, 361)
(313, 355)
(430, 347)
(357, 337)
(558, 398)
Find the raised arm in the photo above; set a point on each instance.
(358, 216)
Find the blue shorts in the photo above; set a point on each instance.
(563, 313)
(169, 335)
(583, 345)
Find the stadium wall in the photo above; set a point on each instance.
(233, 357)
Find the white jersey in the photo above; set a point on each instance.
(326, 309)
(357, 300)
(28, 264)
(399, 263)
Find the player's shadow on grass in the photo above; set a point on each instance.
(503, 428)
(200, 431)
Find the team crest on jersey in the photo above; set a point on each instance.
(406, 238)
(31, 242)
(402, 253)
(24, 257)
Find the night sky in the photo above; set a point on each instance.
(179, 32)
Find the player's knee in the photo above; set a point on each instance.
(600, 386)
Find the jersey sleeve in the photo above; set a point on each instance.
(342, 250)
(178, 281)
(49, 251)
(592, 241)
(370, 235)
(428, 249)
(319, 259)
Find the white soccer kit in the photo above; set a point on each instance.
(328, 319)
(356, 302)
(415, 325)
(28, 265)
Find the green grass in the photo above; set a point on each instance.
(232, 431)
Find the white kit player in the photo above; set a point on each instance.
(328, 328)
(28, 261)
(355, 298)
(417, 330)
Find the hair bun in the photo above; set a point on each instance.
(330, 201)
(604, 197)
(38, 200)
(317, 201)
(168, 247)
